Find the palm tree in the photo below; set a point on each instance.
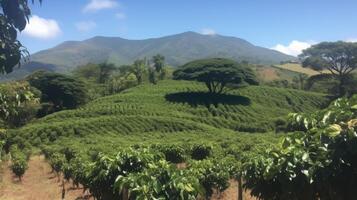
(159, 63)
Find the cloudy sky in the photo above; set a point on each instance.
(287, 26)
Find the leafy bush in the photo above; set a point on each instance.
(200, 151)
(211, 175)
(57, 161)
(67, 171)
(18, 162)
(19, 167)
(105, 170)
(69, 153)
(159, 181)
(19, 103)
(280, 125)
(173, 153)
(319, 163)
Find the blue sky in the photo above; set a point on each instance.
(286, 25)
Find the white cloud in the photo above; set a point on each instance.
(96, 5)
(120, 15)
(295, 47)
(42, 28)
(208, 31)
(85, 26)
(351, 40)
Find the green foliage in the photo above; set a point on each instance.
(89, 71)
(2, 143)
(327, 83)
(105, 70)
(57, 162)
(319, 163)
(200, 151)
(212, 175)
(67, 171)
(300, 81)
(120, 82)
(280, 83)
(105, 170)
(152, 76)
(19, 167)
(81, 143)
(19, 103)
(143, 173)
(69, 153)
(99, 79)
(339, 58)
(173, 153)
(63, 91)
(18, 162)
(159, 65)
(216, 73)
(139, 69)
(13, 19)
(159, 180)
(143, 114)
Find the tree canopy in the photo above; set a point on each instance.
(339, 58)
(159, 62)
(105, 70)
(216, 73)
(317, 162)
(61, 90)
(14, 16)
(139, 69)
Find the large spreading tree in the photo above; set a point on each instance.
(14, 15)
(216, 73)
(63, 91)
(339, 58)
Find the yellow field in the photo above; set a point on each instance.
(297, 68)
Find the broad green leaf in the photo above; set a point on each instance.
(333, 130)
(305, 157)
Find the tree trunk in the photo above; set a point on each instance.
(125, 194)
(63, 190)
(240, 189)
(341, 86)
(209, 86)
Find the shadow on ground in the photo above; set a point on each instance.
(205, 98)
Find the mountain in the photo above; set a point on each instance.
(178, 49)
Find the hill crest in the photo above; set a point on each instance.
(177, 49)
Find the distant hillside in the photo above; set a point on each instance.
(178, 49)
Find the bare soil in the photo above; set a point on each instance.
(38, 183)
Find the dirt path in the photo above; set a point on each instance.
(38, 183)
(232, 193)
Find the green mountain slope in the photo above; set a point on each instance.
(169, 111)
(178, 49)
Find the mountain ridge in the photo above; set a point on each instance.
(177, 49)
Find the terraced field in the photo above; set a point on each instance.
(171, 111)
